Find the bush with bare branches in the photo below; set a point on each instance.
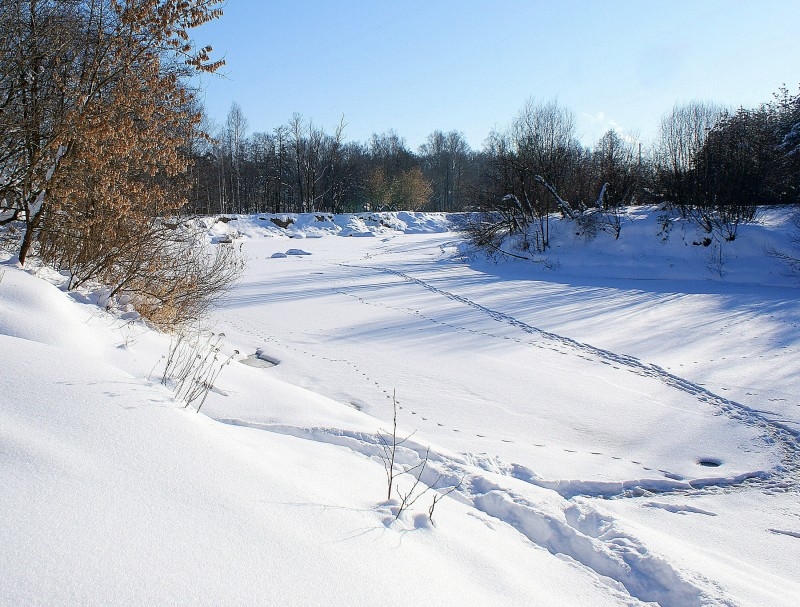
(193, 363)
(417, 488)
(165, 268)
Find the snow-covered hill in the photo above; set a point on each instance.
(619, 419)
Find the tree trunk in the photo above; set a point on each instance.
(27, 240)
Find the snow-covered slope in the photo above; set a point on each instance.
(613, 438)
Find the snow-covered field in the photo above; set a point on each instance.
(619, 419)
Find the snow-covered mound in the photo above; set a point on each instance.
(317, 225)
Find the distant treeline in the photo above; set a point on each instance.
(705, 157)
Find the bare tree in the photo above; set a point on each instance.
(388, 152)
(446, 159)
(235, 134)
(682, 134)
(529, 162)
(618, 163)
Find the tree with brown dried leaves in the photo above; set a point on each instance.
(94, 117)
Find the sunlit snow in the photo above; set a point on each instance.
(619, 418)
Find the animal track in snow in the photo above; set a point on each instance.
(787, 475)
(652, 484)
(789, 533)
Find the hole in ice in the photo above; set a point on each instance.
(709, 462)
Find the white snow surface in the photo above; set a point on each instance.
(620, 419)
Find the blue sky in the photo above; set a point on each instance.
(418, 66)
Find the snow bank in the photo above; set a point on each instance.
(655, 245)
(317, 225)
(35, 310)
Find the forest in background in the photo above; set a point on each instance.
(706, 156)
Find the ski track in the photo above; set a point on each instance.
(575, 530)
(787, 439)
